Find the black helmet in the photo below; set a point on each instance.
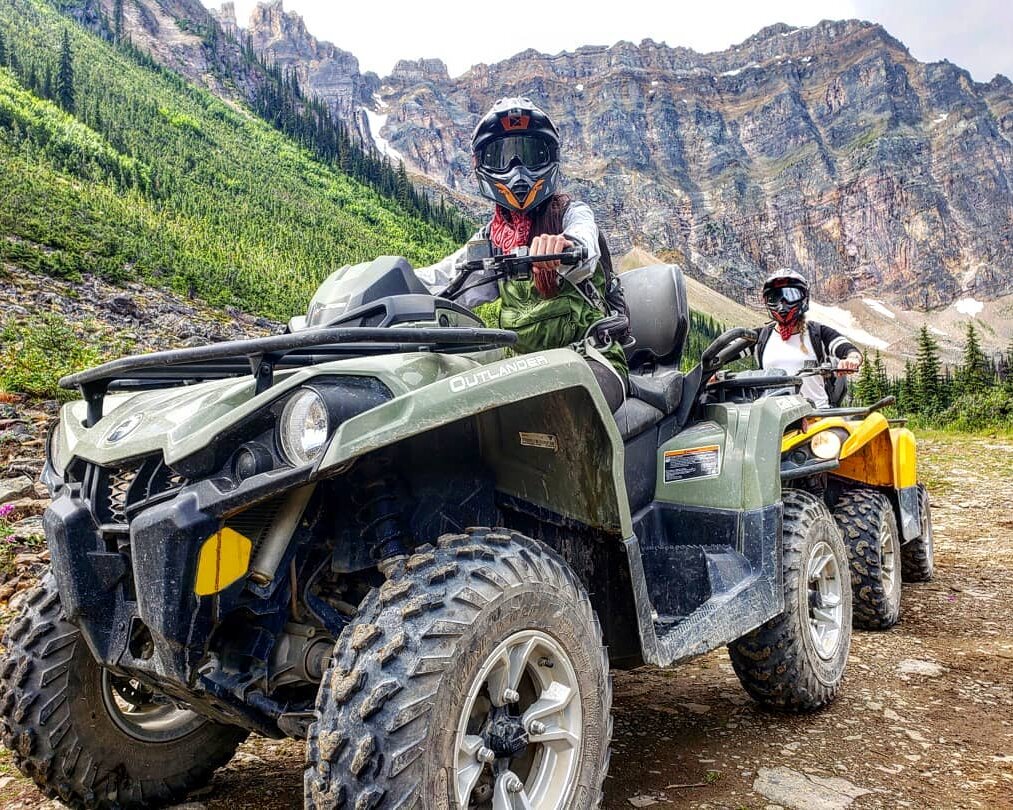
(786, 296)
(516, 152)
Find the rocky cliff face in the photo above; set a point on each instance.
(182, 35)
(324, 70)
(827, 148)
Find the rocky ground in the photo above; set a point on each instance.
(132, 315)
(925, 718)
(132, 318)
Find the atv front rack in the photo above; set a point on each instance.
(261, 357)
(885, 402)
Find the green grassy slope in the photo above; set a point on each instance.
(152, 178)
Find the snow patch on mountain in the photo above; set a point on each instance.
(969, 306)
(878, 306)
(376, 122)
(844, 322)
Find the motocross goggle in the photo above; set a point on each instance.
(524, 150)
(787, 295)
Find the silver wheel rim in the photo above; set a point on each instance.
(888, 558)
(144, 715)
(528, 685)
(825, 605)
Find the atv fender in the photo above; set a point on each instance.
(546, 433)
(880, 456)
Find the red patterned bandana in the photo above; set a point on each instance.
(787, 325)
(510, 230)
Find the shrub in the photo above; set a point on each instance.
(35, 355)
(988, 409)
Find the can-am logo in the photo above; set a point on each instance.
(124, 429)
(484, 375)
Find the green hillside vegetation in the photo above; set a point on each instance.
(140, 175)
(276, 96)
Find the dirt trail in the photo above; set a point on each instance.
(925, 718)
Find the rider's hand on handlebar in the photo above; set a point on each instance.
(849, 364)
(545, 274)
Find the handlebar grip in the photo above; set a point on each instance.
(715, 355)
(575, 254)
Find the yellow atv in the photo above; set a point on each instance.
(871, 484)
(864, 467)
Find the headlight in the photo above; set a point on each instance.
(826, 445)
(304, 428)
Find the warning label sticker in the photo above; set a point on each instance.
(546, 441)
(692, 462)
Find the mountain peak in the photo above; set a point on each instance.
(420, 70)
(226, 16)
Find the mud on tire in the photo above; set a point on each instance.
(389, 707)
(917, 563)
(779, 664)
(869, 527)
(55, 723)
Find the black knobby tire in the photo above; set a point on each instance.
(55, 722)
(917, 563)
(778, 663)
(389, 706)
(869, 526)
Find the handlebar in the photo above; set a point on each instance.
(726, 347)
(479, 255)
(825, 370)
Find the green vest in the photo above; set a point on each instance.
(547, 323)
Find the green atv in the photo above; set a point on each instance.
(277, 536)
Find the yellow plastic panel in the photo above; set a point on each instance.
(872, 426)
(224, 558)
(905, 457)
(871, 463)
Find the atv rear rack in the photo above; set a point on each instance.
(261, 357)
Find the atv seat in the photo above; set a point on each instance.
(659, 322)
(635, 416)
(659, 315)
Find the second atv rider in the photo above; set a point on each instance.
(515, 151)
(790, 340)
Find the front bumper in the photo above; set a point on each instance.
(129, 585)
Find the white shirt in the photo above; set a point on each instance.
(789, 356)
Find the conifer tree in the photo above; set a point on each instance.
(65, 75)
(3, 50)
(862, 389)
(881, 381)
(929, 385)
(976, 371)
(117, 21)
(907, 390)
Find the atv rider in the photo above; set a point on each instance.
(791, 340)
(515, 152)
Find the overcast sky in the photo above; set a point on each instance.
(975, 34)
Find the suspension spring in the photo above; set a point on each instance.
(380, 503)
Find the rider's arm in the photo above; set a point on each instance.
(580, 228)
(437, 276)
(834, 343)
